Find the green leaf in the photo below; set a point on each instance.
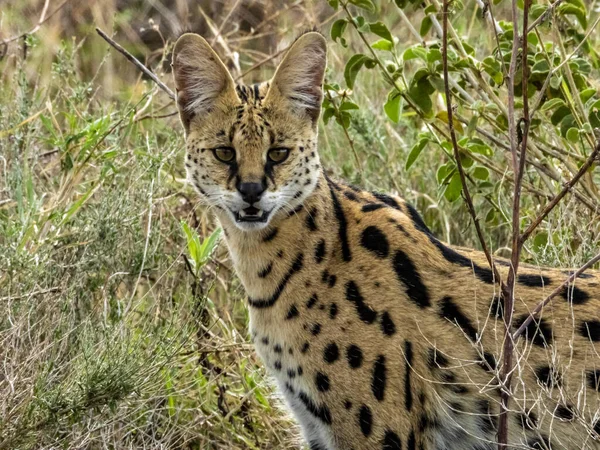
(381, 30)
(334, 3)
(573, 135)
(567, 9)
(382, 44)
(426, 25)
(415, 152)
(586, 94)
(481, 173)
(540, 67)
(392, 106)
(337, 30)
(553, 103)
(454, 188)
(364, 4)
(560, 114)
(353, 66)
(347, 105)
(420, 94)
(434, 55)
(414, 53)
(327, 115)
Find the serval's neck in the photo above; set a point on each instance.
(263, 258)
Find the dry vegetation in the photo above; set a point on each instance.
(118, 329)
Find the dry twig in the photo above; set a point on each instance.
(137, 63)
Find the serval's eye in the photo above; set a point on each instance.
(278, 155)
(225, 154)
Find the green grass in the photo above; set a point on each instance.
(117, 328)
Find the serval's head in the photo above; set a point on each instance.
(251, 150)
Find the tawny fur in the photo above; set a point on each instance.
(378, 335)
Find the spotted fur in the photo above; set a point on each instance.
(379, 335)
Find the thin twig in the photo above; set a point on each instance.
(30, 294)
(136, 62)
(567, 187)
(554, 293)
(461, 171)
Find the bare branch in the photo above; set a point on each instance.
(517, 136)
(461, 171)
(137, 63)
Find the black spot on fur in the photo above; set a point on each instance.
(351, 196)
(563, 412)
(436, 360)
(331, 353)
(391, 441)
(365, 312)
(593, 377)
(316, 329)
(378, 382)
(450, 311)
(369, 207)
(268, 302)
(291, 373)
(547, 376)
(332, 280)
(320, 251)
(408, 355)
(311, 218)
(312, 301)
(575, 295)
(537, 332)
(489, 362)
(347, 404)
(277, 348)
(333, 310)
(386, 199)
(365, 420)
(321, 412)
(265, 340)
(532, 280)
(354, 356)
(271, 235)
(322, 382)
(266, 271)
(342, 225)
(590, 330)
(277, 365)
(373, 239)
(387, 324)
(411, 443)
(299, 371)
(527, 421)
(409, 276)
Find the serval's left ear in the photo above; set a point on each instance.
(203, 82)
(298, 81)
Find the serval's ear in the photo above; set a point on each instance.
(202, 81)
(298, 80)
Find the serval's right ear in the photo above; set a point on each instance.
(202, 81)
